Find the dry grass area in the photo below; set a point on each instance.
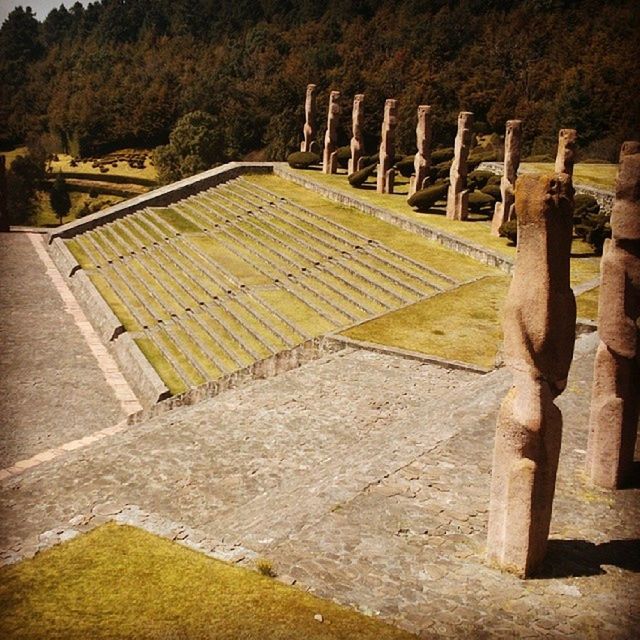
(587, 304)
(120, 582)
(601, 176)
(122, 169)
(462, 324)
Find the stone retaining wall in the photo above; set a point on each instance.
(449, 241)
(605, 198)
(161, 197)
(309, 350)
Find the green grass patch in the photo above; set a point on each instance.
(230, 261)
(122, 311)
(588, 304)
(462, 324)
(46, 217)
(601, 176)
(121, 582)
(416, 247)
(83, 258)
(166, 372)
(297, 312)
(177, 221)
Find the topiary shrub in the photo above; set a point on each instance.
(479, 201)
(374, 159)
(583, 203)
(479, 155)
(442, 155)
(424, 199)
(495, 179)
(358, 178)
(302, 159)
(509, 230)
(343, 154)
(478, 179)
(93, 193)
(493, 190)
(543, 157)
(405, 166)
(442, 170)
(594, 229)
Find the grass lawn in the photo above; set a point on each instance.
(588, 304)
(123, 169)
(601, 176)
(119, 582)
(46, 217)
(462, 324)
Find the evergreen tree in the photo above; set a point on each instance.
(59, 197)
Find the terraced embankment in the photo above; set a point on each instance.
(239, 273)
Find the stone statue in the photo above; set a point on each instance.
(422, 161)
(386, 173)
(4, 212)
(566, 155)
(504, 211)
(309, 143)
(615, 400)
(357, 143)
(539, 334)
(458, 196)
(329, 158)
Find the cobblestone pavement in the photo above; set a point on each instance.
(365, 478)
(52, 388)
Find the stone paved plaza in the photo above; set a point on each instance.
(363, 477)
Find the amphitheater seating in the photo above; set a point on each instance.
(236, 274)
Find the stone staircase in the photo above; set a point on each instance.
(237, 274)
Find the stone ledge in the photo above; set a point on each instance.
(99, 313)
(139, 372)
(449, 241)
(407, 354)
(281, 362)
(162, 197)
(63, 258)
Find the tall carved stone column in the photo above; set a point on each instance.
(458, 196)
(357, 143)
(386, 174)
(615, 400)
(566, 155)
(504, 210)
(422, 161)
(539, 334)
(309, 131)
(329, 159)
(4, 212)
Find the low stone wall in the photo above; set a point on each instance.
(279, 363)
(451, 242)
(135, 367)
(63, 258)
(605, 198)
(161, 197)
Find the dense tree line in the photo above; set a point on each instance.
(122, 72)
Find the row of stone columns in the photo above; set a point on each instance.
(539, 335)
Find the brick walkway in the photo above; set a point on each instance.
(53, 388)
(365, 478)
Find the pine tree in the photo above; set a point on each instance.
(59, 197)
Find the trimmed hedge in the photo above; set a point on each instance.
(358, 178)
(442, 155)
(343, 155)
(478, 179)
(492, 190)
(405, 166)
(479, 201)
(302, 159)
(424, 199)
(509, 230)
(442, 170)
(109, 177)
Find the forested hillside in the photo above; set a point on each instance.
(121, 72)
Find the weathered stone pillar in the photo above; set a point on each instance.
(309, 131)
(386, 173)
(422, 161)
(329, 159)
(504, 210)
(539, 334)
(458, 196)
(615, 400)
(4, 212)
(357, 143)
(566, 155)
